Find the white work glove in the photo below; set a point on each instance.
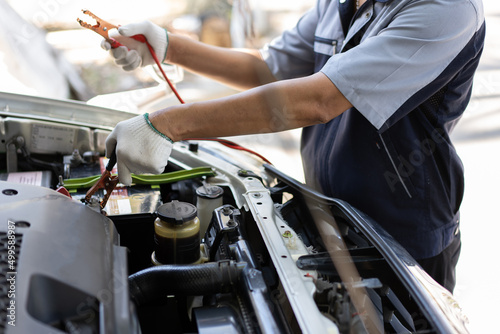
(134, 53)
(140, 148)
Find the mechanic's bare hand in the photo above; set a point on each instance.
(140, 148)
(133, 53)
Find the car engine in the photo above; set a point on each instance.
(218, 243)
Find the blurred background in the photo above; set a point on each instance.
(45, 52)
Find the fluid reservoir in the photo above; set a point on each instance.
(177, 234)
(209, 198)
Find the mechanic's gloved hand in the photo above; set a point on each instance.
(140, 148)
(133, 53)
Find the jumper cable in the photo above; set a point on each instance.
(103, 27)
(108, 181)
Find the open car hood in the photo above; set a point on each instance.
(289, 259)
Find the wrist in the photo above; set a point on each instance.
(175, 48)
(169, 50)
(160, 120)
(154, 128)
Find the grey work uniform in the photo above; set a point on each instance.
(407, 67)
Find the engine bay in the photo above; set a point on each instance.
(219, 242)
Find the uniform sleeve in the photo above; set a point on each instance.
(291, 55)
(385, 70)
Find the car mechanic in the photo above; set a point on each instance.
(376, 85)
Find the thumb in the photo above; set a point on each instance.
(124, 174)
(110, 145)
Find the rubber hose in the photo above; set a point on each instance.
(198, 279)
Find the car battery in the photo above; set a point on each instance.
(132, 210)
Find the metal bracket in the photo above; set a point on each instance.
(11, 147)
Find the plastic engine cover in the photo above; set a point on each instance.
(62, 266)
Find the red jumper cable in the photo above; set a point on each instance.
(103, 27)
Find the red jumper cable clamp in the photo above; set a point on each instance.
(107, 182)
(103, 27)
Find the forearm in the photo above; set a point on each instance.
(274, 107)
(241, 69)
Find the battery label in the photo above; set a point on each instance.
(124, 206)
(124, 201)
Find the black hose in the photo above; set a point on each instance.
(55, 167)
(157, 282)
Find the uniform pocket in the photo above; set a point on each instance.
(325, 46)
